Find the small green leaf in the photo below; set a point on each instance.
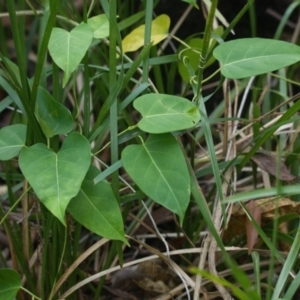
(12, 140)
(96, 208)
(253, 56)
(158, 167)
(192, 2)
(99, 25)
(53, 117)
(68, 48)
(13, 68)
(159, 31)
(165, 113)
(10, 283)
(56, 177)
(12, 95)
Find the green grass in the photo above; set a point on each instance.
(240, 119)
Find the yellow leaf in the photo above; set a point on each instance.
(159, 31)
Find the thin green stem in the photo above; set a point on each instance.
(62, 254)
(19, 46)
(233, 23)
(113, 34)
(237, 18)
(13, 206)
(86, 86)
(285, 79)
(147, 38)
(119, 134)
(46, 273)
(205, 47)
(142, 57)
(53, 6)
(252, 16)
(91, 8)
(18, 88)
(31, 294)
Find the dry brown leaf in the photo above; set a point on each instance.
(270, 208)
(251, 232)
(269, 205)
(268, 163)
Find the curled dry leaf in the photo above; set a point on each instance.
(270, 209)
(269, 163)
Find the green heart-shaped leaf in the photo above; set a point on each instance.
(68, 48)
(53, 117)
(12, 140)
(96, 204)
(165, 113)
(10, 283)
(253, 56)
(99, 25)
(56, 177)
(158, 167)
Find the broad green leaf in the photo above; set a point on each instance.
(159, 31)
(12, 140)
(56, 177)
(165, 113)
(10, 283)
(96, 208)
(253, 56)
(100, 26)
(68, 48)
(53, 117)
(158, 168)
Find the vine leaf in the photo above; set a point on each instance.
(12, 140)
(56, 177)
(100, 26)
(165, 113)
(96, 208)
(68, 48)
(10, 283)
(53, 117)
(158, 167)
(253, 56)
